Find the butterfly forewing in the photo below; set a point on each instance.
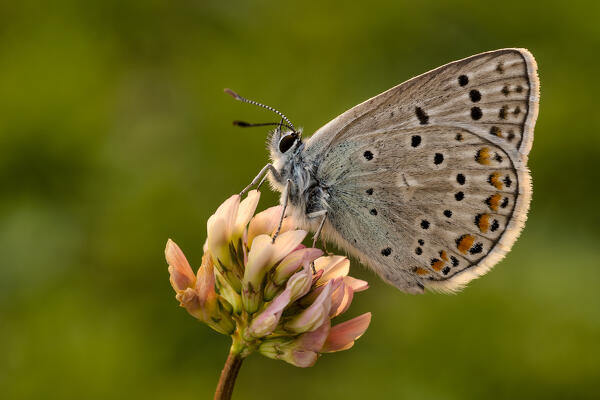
(428, 181)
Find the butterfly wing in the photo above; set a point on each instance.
(428, 182)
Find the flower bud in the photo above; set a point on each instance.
(180, 272)
(266, 322)
(314, 316)
(302, 351)
(257, 266)
(228, 293)
(222, 244)
(333, 267)
(292, 262)
(287, 267)
(199, 298)
(299, 284)
(245, 212)
(342, 336)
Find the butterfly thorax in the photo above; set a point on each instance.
(307, 195)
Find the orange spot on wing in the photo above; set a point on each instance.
(464, 243)
(484, 222)
(437, 265)
(494, 201)
(483, 156)
(421, 271)
(495, 180)
(444, 255)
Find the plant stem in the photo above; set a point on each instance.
(228, 375)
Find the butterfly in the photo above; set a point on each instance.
(426, 183)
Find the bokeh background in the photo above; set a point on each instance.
(115, 135)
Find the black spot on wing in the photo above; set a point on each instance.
(502, 112)
(495, 225)
(415, 141)
(476, 249)
(475, 95)
(422, 116)
(476, 113)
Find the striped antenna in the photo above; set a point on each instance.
(240, 98)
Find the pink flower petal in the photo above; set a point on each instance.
(300, 282)
(228, 211)
(182, 276)
(313, 294)
(293, 261)
(332, 266)
(314, 341)
(245, 211)
(302, 358)
(218, 238)
(258, 260)
(205, 283)
(266, 322)
(345, 303)
(338, 291)
(357, 285)
(264, 223)
(285, 243)
(303, 352)
(342, 336)
(317, 276)
(191, 302)
(314, 316)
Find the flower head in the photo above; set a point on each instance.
(259, 286)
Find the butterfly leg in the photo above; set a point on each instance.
(323, 215)
(260, 177)
(285, 195)
(264, 178)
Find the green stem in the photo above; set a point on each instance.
(228, 376)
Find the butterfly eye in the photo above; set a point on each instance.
(286, 142)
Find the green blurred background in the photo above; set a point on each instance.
(115, 135)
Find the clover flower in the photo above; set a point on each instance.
(258, 286)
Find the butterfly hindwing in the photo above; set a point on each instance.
(428, 181)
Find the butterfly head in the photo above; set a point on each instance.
(283, 143)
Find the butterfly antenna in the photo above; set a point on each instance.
(245, 100)
(243, 124)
